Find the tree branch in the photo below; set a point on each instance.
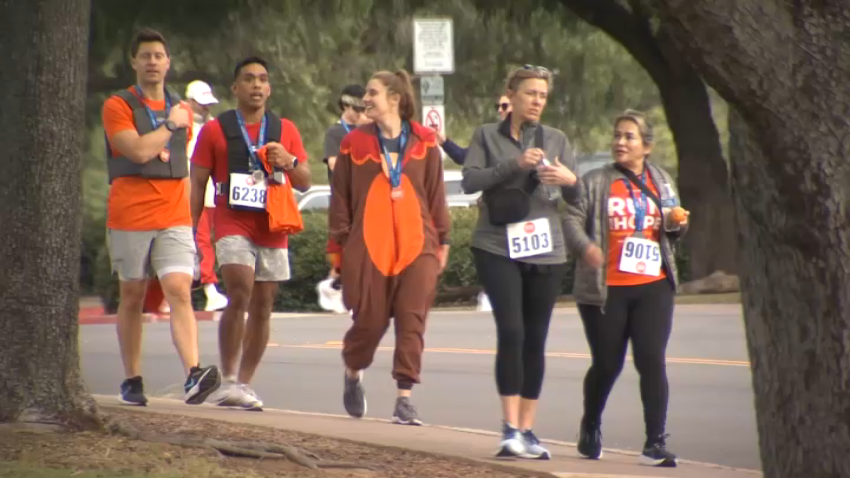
(628, 29)
(757, 39)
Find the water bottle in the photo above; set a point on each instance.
(553, 193)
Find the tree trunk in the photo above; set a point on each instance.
(703, 176)
(785, 69)
(42, 90)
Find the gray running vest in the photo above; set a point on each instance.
(177, 167)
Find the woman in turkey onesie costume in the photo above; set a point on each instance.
(393, 223)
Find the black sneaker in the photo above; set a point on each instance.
(590, 442)
(405, 413)
(354, 396)
(655, 453)
(133, 392)
(512, 444)
(200, 383)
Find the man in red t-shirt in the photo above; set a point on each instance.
(251, 257)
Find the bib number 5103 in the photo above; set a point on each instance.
(529, 238)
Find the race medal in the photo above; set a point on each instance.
(258, 176)
(164, 155)
(396, 193)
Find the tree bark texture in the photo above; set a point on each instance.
(785, 68)
(42, 90)
(703, 175)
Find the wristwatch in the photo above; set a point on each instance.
(171, 126)
(294, 163)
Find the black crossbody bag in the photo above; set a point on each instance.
(510, 204)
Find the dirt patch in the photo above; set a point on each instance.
(123, 456)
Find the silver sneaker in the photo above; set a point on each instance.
(237, 395)
(354, 396)
(512, 444)
(405, 413)
(533, 448)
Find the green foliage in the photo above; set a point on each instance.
(308, 264)
(315, 48)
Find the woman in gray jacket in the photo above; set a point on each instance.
(625, 228)
(524, 169)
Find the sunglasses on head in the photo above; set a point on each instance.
(502, 106)
(542, 70)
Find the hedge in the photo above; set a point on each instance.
(458, 285)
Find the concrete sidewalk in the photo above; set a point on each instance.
(466, 444)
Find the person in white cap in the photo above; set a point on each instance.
(200, 98)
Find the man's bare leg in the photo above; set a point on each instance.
(239, 282)
(257, 329)
(177, 288)
(129, 327)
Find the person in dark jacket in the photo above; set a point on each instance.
(520, 253)
(625, 228)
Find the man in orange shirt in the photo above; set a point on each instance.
(148, 219)
(253, 258)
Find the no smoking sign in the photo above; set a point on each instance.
(434, 117)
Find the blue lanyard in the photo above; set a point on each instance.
(252, 149)
(154, 121)
(640, 205)
(395, 171)
(345, 125)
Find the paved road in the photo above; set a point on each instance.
(711, 417)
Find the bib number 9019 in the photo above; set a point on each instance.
(641, 256)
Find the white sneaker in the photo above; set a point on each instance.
(250, 399)
(240, 395)
(483, 303)
(227, 395)
(329, 298)
(215, 299)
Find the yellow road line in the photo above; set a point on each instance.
(336, 345)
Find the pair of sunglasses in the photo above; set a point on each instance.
(502, 106)
(541, 70)
(358, 109)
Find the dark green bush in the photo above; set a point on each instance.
(458, 284)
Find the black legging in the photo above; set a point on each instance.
(522, 296)
(644, 314)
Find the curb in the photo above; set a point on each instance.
(200, 315)
(504, 467)
(106, 319)
(474, 431)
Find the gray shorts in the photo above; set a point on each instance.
(270, 265)
(135, 255)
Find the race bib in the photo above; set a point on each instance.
(641, 256)
(247, 192)
(529, 238)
